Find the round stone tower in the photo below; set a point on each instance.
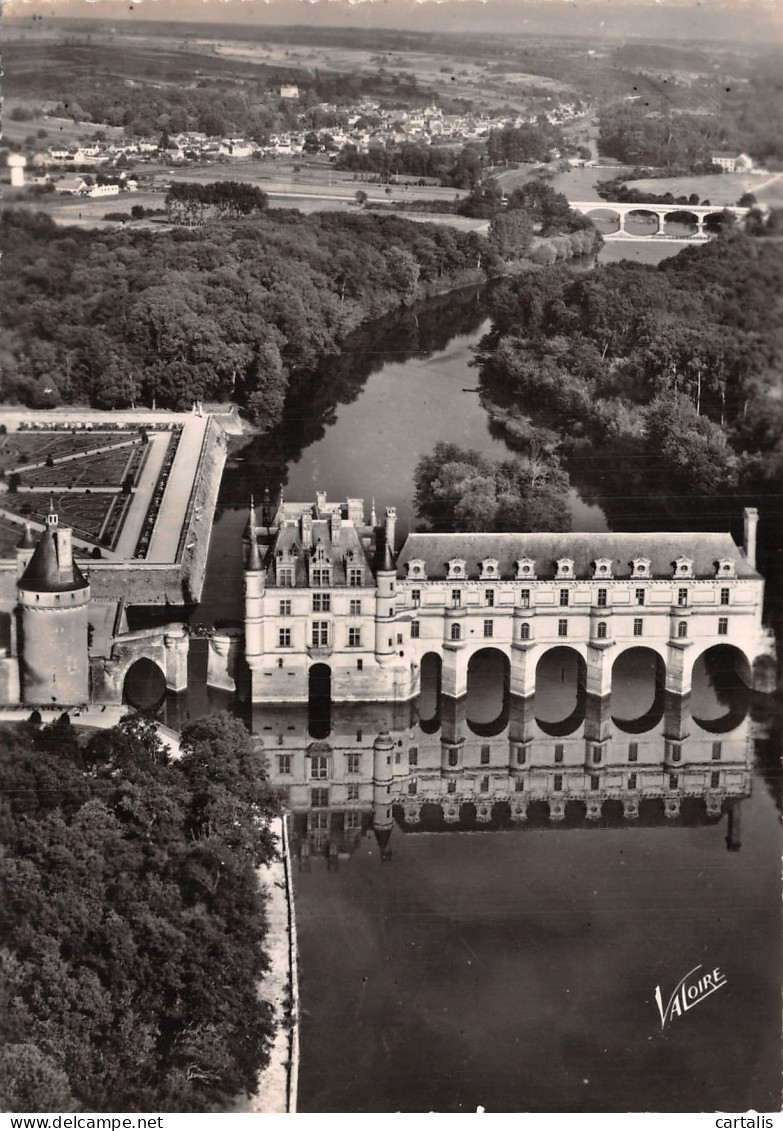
(53, 600)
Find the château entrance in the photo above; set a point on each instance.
(144, 686)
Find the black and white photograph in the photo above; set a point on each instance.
(391, 560)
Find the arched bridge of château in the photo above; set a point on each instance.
(693, 215)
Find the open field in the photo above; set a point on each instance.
(719, 189)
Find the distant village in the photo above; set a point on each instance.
(367, 123)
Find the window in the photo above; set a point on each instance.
(489, 597)
(715, 779)
(595, 782)
(285, 608)
(285, 577)
(633, 751)
(399, 638)
(453, 757)
(638, 626)
(557, 785)
(524, 598)
(485, 755)
(284, 763)
(455, 632)
(682, 597)
(319, 798)
(559, 748)
(413, 787)
(360, 665)
(524, 631)
(354, 763)
(563, 597)
(725, 595)
(674, 781)
(489, 627)
(521, 755)
(723, 626)
(632, 781)
(519, 785)
(601, 631)
(355, 608)
(414, 630)
(716, 751)
(639, 596)
(316, 821)
(413, 756)
(484, 786)
(320, 633)
(322, 602)
(456, 598)
(451, 787)
(682, 629)
(354, 577)
(597, 755)
(353, 791)
(354, 638)
(352, 820)
(416, 597)
(284, 637)
(601, 599)
(319, 766)
(322, 577)
(675, 751)
(562, 628)
(358, 736)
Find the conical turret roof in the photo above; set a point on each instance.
(46, 574)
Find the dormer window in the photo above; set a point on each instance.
(489, 568)
(456, 568)
(565, 567)
(683, 567)
(602, 567)
(641, 567)
(726, 568)
(526, 568)
(417, 569)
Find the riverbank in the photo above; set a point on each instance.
(276, 1093)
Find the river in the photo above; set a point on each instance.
(469, 955)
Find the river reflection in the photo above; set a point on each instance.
(446, 969)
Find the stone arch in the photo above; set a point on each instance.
(721, 682)
(684, 216)
(143, 683)
(560, 690)
(604, 218)
(429, 701)
(488, 688)
(638, 214)
(319, 700)
(638, 696)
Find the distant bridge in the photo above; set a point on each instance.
(697, 214)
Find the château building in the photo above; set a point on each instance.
(331, 609)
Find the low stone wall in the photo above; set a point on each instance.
(196, 533)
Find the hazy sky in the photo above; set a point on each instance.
(741, 21)
(677, 19)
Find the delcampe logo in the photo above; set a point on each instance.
(688, 992)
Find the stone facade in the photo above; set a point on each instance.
(322, 587)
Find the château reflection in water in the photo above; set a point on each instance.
(492, 761)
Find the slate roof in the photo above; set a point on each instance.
(43, 573)
(436, 550)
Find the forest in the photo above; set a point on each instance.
(226, 311)
(232, 309)
(133, 923)
(671, 372)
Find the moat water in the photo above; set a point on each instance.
(491, 961)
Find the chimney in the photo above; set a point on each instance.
(64, 549)
(307, 528)
(391, 522)
(751, 523)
